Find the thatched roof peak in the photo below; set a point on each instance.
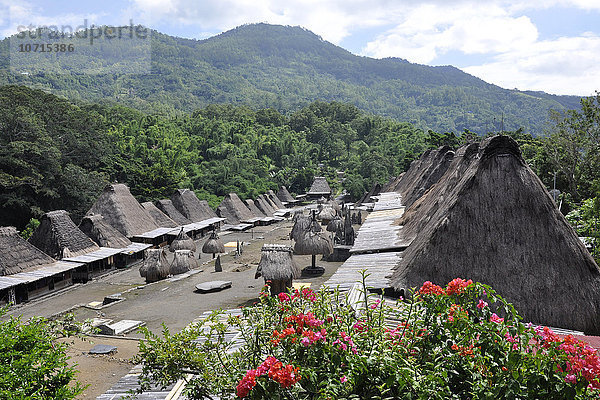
(161, 219)
(121, 210)
(101, 232)
(182, 242)
(284, 195)
(254, 209)
(495, 222)
(190, 206)
(234, 210)
(167, 207)
(213, 245)
(277, 263)
(17, 254)
(59, 237)
(320, 186)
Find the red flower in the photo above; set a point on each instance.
(457, 286)
(430, 288)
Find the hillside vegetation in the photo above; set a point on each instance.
(287, 68)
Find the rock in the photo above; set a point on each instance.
(103, 349)
(212, 286)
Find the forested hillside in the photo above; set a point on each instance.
(287, 68)
(57, 155)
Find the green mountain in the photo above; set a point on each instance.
(286, 68)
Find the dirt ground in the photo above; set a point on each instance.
(174, 303)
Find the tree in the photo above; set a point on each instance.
(33, 364)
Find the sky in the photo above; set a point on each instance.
(545, 45)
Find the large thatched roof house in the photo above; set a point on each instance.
(264, 205)
(120, 209)
(254, 209)
(285, 196)
(167, 207)
(319, 188)
(274, 199)
(234, 210)
(161, 219)
(188, 204)
(497, 224)
(18, 255)
(59, 237)
(101, 232)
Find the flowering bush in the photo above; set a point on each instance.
(461, 341)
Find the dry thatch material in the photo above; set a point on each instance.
(121, 210)
(326, 214)
(366, 198)
(277, 263)
(183, 261)
(424, 173)
(264, 206)
(335, 225)
(188, 204)
(18, 255)
(155, 266)
(182, 242)
(101, 232)
(161, 219)
(59, 237)
(303, 224)
(272, 204)
(311, 243)
(234, 210)
(213, 244)
(254, 209)
(497, 224)
(167, 207)
(284, 195)
(274, 199)
(320, 187)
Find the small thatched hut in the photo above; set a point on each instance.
(121, 210)
(234, 210)
(155, 266)
(274, 199)
(319, 188)
(302, 224)
(188, 204)
(277, 266)
(167, 207)
(284, 195)
(101, 232)
(313, 243)
(182, 242)
(254, 209)
(213, 245)
(498, 225)
(59, 237)
(183, 261)
(161, 219)
(18, 255)
(326, 214)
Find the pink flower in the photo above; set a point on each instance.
(344, 379)
(283, 297)
(571, 378)
(482, 304)
(496, 319)
(375, 305)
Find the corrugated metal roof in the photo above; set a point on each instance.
(101, 254)
(153, 234)
(135, 248)
(387, 201)
(379, 266)
(379, 232)
(37, 274)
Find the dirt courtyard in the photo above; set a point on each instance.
(173, 302)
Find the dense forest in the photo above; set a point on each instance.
(284, 68)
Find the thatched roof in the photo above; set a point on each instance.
(366, 198)
(497, 224)
(274, 199)
(313, 243)
(336, 224)
(183, 261)
(188, 204)
(182, 242)
(234, 210)
(101, 232)
(327, 213)
(269, 201)
(213, 244)
(120, 209)
(284, 195)
(155, 266)
(161, 219)
(254, 209)
(59, 237)
(303, 224)
(418, 214)
(277, 263)
(424, 173)
(18, 255)
(264, 206)
(320, 187)
(167, 207)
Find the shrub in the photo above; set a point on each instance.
(462, 341)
